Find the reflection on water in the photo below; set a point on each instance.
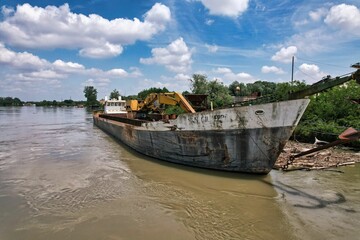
(63, 178)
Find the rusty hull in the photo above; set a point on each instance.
(240, 139)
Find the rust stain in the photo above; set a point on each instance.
(226, 158)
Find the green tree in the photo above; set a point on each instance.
(114, 94)
(9, 101)
(217, 92)
(68, 102)
(144, 93)
(238, 89)
(91, 95)
(261, 87)
(199, 84)
(283, 89)
(330, 113)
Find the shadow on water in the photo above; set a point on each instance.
(318, 201)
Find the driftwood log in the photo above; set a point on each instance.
(328, 158)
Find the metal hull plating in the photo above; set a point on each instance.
(241, 139)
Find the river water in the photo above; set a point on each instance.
(63, 178)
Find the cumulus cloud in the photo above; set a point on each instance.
(272, 69)
(335, 25)
(67, 66)
(21, 60)
(310, 72)
(117, 72)
(285, 54)
(228, 8)
(318, 14)
(98, 82)
(34, 27)
(108, 50)
(24, 67)
(167, 82)
(182, 77)
(345, 17)
(228, 76)
(176, 57)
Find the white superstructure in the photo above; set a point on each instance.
(115, 106)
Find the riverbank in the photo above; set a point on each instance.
(324, 159)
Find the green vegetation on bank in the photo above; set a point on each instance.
(330, 113)
(9, 101)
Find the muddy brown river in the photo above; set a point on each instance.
(63, 178)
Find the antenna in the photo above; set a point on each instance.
(292, 69)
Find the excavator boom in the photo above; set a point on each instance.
(153, 101)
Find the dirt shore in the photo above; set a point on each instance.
(327, 158)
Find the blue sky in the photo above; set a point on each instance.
(52, 49)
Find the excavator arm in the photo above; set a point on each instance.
(153, 101)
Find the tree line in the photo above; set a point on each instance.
(9, 101)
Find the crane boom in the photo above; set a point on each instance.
(324, 84)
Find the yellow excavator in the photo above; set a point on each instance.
(154, 102)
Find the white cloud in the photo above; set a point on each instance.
(318, 14)
(310, 72)
(176, 57)
(158, 15)
(135, 72)
(212, 48)
(68, 66)
(98, 83)
(182, 77)
(117, 72)
(228, 76)
(22, 60)
(272, 69)
(209, 22)
(95, 36)
(333, 26)
(6, 11)
(107, 50)
(44, 75)
(345, 17)
(167, 82)
(25, 70)
(285, 54)
(229, 8)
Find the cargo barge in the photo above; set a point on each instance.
(238, 139)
